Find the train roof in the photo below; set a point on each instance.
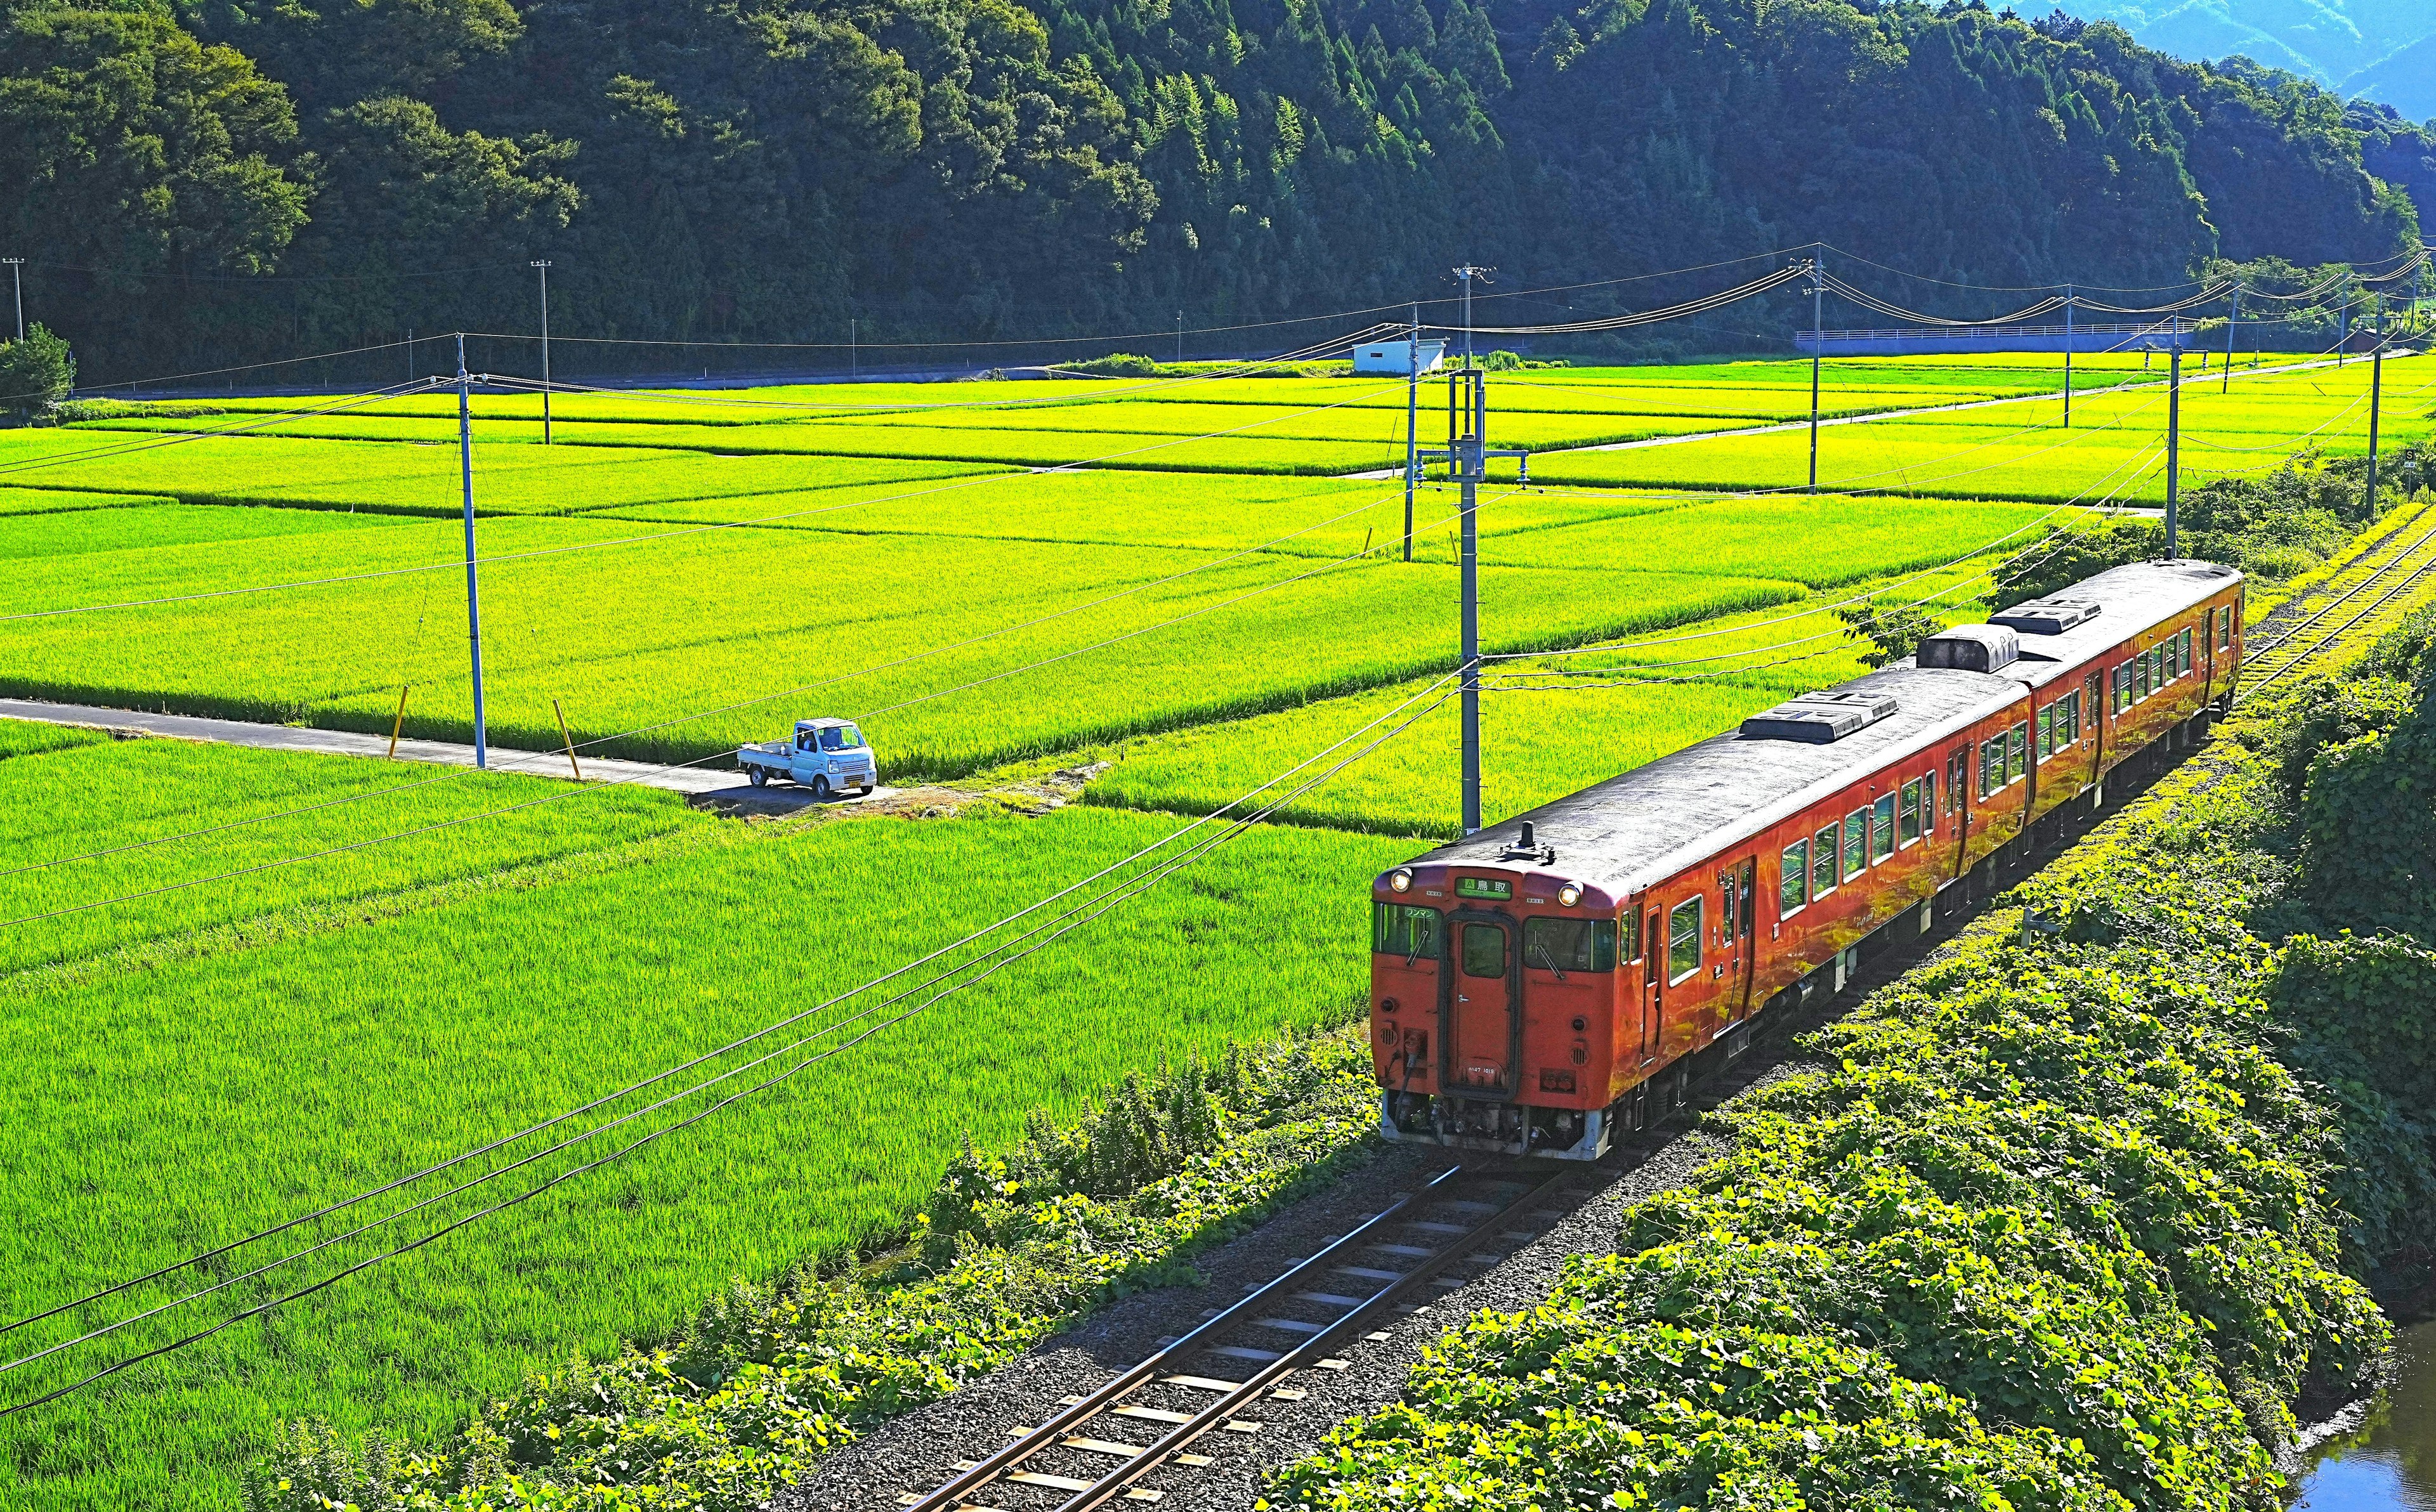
(1635, 831)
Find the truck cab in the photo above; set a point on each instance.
(826, 756)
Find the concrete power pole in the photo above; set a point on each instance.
(472, 582)
(543, 264)
(2174, 446)
(1412, 425)
(1818, 351)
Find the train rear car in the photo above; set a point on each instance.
(1558, 978)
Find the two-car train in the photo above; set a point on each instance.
(1550, 981)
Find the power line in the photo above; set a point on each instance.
(1113, 897)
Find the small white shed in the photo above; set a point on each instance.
(1396, 356)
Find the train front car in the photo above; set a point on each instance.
(1494, 993)
(1558, 980)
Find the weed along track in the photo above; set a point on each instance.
(1189, 1409)
(1215, 1378)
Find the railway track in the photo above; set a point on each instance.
(2369, 590)
(1100, 1448)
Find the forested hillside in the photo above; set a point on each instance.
(205, 180)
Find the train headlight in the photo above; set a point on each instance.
(1401, 882)
(1569, 894)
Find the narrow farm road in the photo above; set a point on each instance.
(695, 782)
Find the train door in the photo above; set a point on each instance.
(1483, 1014)
(1737, 938)
(1653, 978)
(1958, 800)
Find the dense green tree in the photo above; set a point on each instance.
(35, 374)
(770, 170)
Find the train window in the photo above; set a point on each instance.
(2188, 662)
(1882, 829)
(1570, 945)
(2224, 629)
(1928, 802)
(1908, 816)
(1729, 914)
(2142, 684)
(2046, 723)
(1683, 940)
(1400, 929)
(1632, 934)
(2068, 720)
(1484, 949)
(1856, 842)
(2017, 760)
(1823, 862)
(2123, 688)
(2092, 694)
(1992, 766)
(1793, 878)
(1957, 775)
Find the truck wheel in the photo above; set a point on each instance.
(759, 775)
(820, 789)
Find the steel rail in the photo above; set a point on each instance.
(2329, 638)
(1053, 1433)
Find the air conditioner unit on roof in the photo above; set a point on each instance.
(1820, 718)
(1971, 649)
(2047, 617)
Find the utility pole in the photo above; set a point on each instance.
(1467, 272)
(1466, 456)
(2342, 344)
(473, 584)
(2071, 302)
(1412, 425)
(2174, 447)
(1179, 336)
(2375, 402)
(17, 267)
(1472, 465)
(853, 349)
(543, 265)
(1818, 348)
(2230, 320)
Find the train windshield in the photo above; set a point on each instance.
(1569, 945)
(1401, 929)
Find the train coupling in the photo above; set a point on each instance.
(1495, 1128)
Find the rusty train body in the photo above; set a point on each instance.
(1558, 979)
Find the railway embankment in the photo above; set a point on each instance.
(2091, 1209)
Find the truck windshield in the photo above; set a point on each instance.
(840, 738)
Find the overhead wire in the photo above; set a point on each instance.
(1115, 895)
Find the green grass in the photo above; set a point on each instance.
(420, 478)
(1305, 517)
(631, 636)
(145, 1113)
(1542, 737)
(1840, 540)
(53, 500)
(23, 737)
(68, 793)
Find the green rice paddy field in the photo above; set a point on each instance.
(236, 985)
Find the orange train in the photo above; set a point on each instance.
(1558, 978)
